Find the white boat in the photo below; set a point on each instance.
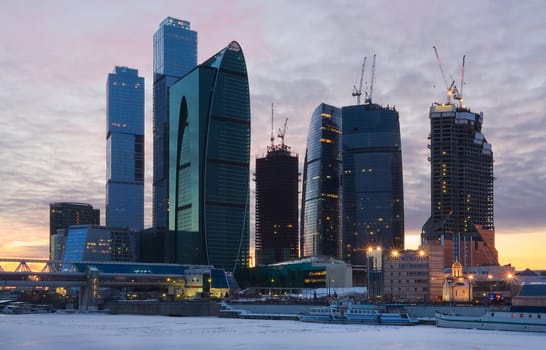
(17, 307)
(496, 320)
(344, 311)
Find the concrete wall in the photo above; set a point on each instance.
(190, 308)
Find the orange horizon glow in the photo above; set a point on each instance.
(520, 249)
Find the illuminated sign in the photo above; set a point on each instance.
(314, 278)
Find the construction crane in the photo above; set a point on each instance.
(459, 94)
(452, 89)
(372, 81)
(449, 88)
(282, 132)
(358, 91)
(272, 138)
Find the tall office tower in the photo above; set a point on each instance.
(321, 198)
(65, 214)
(125, 149)
(373, 196)
(461, 185)
(276, 205)
(175, 54)
(209, 171)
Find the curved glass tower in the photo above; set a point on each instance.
(209, 116)
(321, 206)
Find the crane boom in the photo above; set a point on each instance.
(372, 81)
(462, 80)
(440, 65)
(358, 91)
(272, 138)
(282, 132)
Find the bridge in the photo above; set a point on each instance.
(89, 276)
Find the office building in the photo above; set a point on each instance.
(209, 169)
(99, 243)
(125, 149)
(277, 206)
(408, 277)
(373, 196)
(321, 202)
(175, 54)
(461, 162)
(65, 214)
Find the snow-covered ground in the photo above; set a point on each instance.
(100, 331)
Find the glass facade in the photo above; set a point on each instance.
(175, 54)
(125, 149)
(210, 162)
(98, 243)
(373, 198)
(276, 206)
(65, 214)
(321, 202)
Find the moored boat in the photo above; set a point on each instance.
(513, 320)
(344, 311)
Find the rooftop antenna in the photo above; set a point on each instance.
(358, 91)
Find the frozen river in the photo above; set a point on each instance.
(100, 331)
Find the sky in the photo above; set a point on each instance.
(100, 331)
(55, 57)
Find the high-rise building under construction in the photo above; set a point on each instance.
(461, 162)
(277, 204)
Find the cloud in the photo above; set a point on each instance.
(55, 58)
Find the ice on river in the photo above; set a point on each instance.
(101, 331)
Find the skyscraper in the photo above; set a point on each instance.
(210, 162)
(321, 202)
(65, 214)
(125, 149)
(276, 205)
(175, 54)
(461, 183)
(373, 197)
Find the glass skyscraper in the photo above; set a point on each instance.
(209, 170)
(65, 214)
(461, 164)
(175, 54)
(321, 199)
(99, 243)
(373, 198)
(125, 149)
(277, 206)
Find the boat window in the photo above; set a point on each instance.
(539, 316)
(520, 315)
(530, 316)
(513, 315)
(492, 314)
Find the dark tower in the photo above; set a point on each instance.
(461, 184)
(373, 196)
(276, 204)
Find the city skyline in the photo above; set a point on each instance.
(299, 54)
